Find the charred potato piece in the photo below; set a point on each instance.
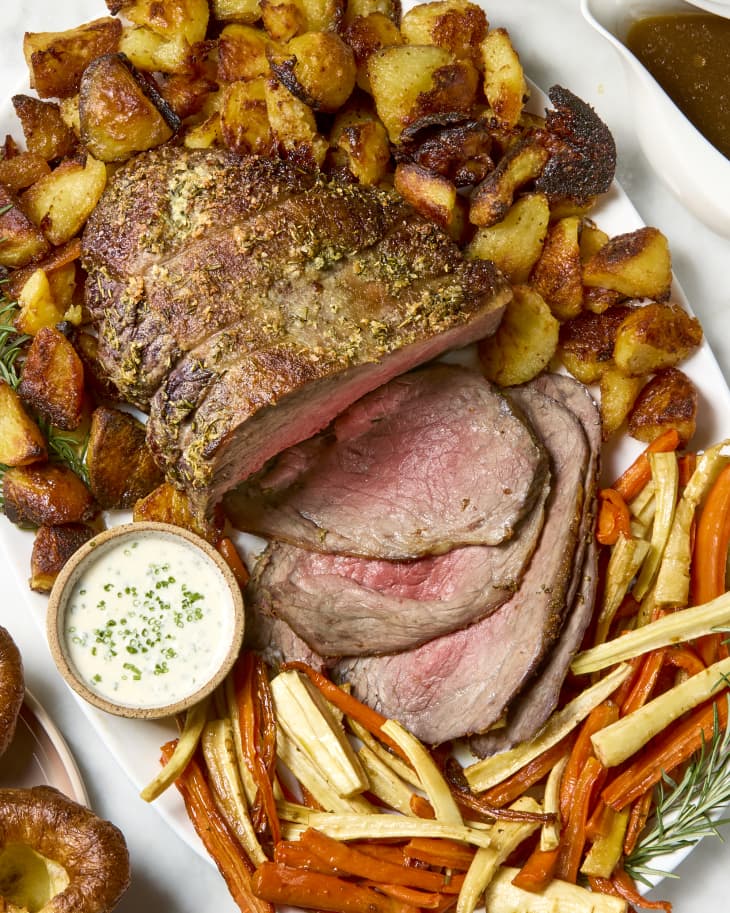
(362, 138)
(418, 85)
(52, 548)
(460, 153)
(46, 495)
(618, 395)
(167, 504)
(120, 465)
(22, 170)
(56, 60)
(293, 126)
(186, 95)
(455, 25)
(20, 240)
(636, 264)
(43, 128)
(21, 440)
(355, 8)
(60, 202)
(504, 79)
(283, 19)
(244, 121)
(367, 34)
(557, 275)
(524, 342)
(587, 342)
(432, 195)
(668, 400)
(492, 198)
(38, 307)
(121, 112)
(318, 68)
(52, 381)
(654, 337)
(245, 11)
(515, 243)
(242, 53)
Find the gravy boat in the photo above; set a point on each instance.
(693, 169)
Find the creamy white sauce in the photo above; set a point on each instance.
(148, 622)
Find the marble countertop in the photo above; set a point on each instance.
(556, 46)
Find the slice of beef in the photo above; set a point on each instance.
(343, 605)
(249, 303)
(537, 701)
(433, 460)
(461, 683)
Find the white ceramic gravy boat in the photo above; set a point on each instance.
(693, 169)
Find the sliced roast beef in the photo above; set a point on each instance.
(432, 460)
(461, 683)
(250, 303)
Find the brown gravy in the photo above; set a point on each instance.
(689, 56)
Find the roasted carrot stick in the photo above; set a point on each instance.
(684, 657)
(686, 464)
(630, 483)
(418, 899)
(638, 817)
(621, 885)
(230, 555)
(294, 854)
(513, 787)
(538, 871)
(280, 884)
(447, 854)
(598, 718)
(422, 807)
(614, 518)
(645, 682)
(222, 846)
(666, 752)
(573, 837)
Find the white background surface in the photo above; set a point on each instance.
(556, 47)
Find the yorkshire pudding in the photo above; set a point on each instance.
(57, 856)
(12, 688)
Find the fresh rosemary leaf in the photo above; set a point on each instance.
(67, 449)
(12, 343)
(686, 811)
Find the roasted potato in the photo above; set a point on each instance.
(592, 239)
(57, 258)
(173, 20)
(293, 126)
(22, 170)
(455, 25)
(244, 119)
(184, 94)
(492, 198)
(283, 19)
(46, 495)
(120, 465)
(318, 68)
(150, 52)
(655, 336)
(52, 547)
(56, 60)
(242, 53)
(245, 11)
(618, 394)
(20, 240)
(637, 264)
(43, 128)
(557, 275)
(668, 400)
(515, 243)
(52, 380)
(167, 504)
(587, 342)
(524, 342)
(324, 15)
(504, 79)
(37, 305)
(599, 300)
(460, 153)
(432, 195)
(362, 138)
(21, 440)
(121, 111)
(355, 8)
(367, 34)
(61, 202)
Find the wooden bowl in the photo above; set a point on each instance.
(138, 640)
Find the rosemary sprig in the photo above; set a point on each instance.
(687, 811)
(12, 343)
(67, 449)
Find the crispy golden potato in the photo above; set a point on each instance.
(637, 264)
(69, 110)
(185, 94)
(618, 394)
(655, 336)
(242, 53)
(515, 243)
(244, 120)
(356, 8)
(120, 465)
(52, 380)
(524, 343)
(367, 34)
(460, 153)
(587, 342)
(61, 202)
(20, 240)
(207, 133)
(37, 305)
(504, 79)
(167, 504)
(557, 275)
(62, 281)
(21, 440)
(46, 495)
(56, 60)
(293, 126)
(599, 300)
(283, 19)
(52, 547)
(150, 52)
(43, 128)
(22, 170)
(668, 400)
(414, 86)
(324, 15)
(592, 240)
(455, 25)
(121, 113)
(432, 195)
(245, 11)
(492, 198)
(173, 20)
(362, 138)
(318, 68)
(57, 258)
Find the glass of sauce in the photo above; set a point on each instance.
(145, 620)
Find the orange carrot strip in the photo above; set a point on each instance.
(597, 823)
(281, 884)
(538, 871)
(573, 838)
(421, 807)
(418, 899)
(630, 483)
(366, 716)
(598, 718)
(645, 682)
(387, 851)
(230, 555)
(684, 657)
(638, 817)
(624, 886)
(666, 752)
(295, 855)
(222, 846)
(513, 787)
(686, 464)
(614, 518)
(624, 689)
(440, 852)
